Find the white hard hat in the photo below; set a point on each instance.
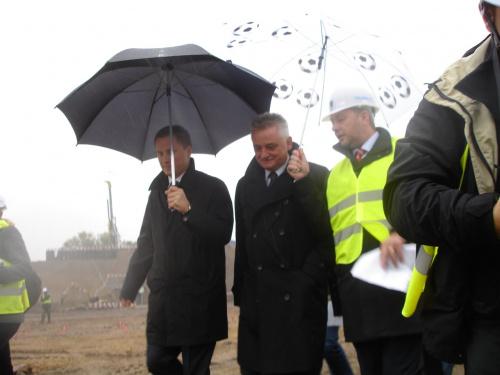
(44, 290)
(493, 2)
(3, 205)
(349, 97)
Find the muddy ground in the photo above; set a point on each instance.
(110, 341)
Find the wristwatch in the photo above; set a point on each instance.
(185, 215)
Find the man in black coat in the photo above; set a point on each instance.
(442, 190)
(284, 250)
(181, 251)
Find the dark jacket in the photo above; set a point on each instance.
(423, 202)
(284, 249)
(371, 312)
(184, 260)
(13, 250)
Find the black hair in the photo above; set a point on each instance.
(178, 132)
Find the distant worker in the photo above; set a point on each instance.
(15, 267)
(385, 341)
(181, 250)
(46, 305)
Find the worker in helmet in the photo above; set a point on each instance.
(385, 342)
(15, 267)
(442, 190)
(46, 305)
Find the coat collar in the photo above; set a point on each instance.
(382, 147)
(254, 180)
(161, 180)
(478, 84)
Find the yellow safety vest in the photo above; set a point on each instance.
(13, 296)
(355, 203)
(47, 300)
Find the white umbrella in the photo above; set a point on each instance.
(308, 56)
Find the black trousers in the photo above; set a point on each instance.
(312, 372)
(196, 359)
(46, 311)
(399, 355)
(7, 331)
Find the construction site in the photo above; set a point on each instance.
(90, 332)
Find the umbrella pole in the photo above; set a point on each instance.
(320, 61)
(169, 106)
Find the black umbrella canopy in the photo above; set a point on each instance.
(139, 91)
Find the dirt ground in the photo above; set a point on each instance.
(111, 341)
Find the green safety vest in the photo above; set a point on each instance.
(355, 203)
(13, 296)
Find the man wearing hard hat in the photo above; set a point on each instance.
(442, 191)
(46, 305)
(385, 342)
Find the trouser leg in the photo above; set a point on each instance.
(163, 360)
(7, 330)
(398, 355)
(334, 354)
(196, 359)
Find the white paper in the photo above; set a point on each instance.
(333, 320)
(368, 269)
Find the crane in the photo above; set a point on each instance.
(112, 229)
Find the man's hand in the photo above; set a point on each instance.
(177, 200)
(392, 248)
(126, 302)
(298, 167)
(496, 217)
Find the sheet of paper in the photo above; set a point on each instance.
(368, 269)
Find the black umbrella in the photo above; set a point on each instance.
(139, 91)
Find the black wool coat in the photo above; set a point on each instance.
(284, 251)
(423, 202)
(184, 260)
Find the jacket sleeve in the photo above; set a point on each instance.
(240, 250)
(13, 250)
(141, 261)
(421, 198)
(216, 223)
(311, 194)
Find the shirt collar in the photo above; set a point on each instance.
(177, 178)
(368, 145)
(280, 170)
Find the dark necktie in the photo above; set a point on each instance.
(359, 154)
(272, 178)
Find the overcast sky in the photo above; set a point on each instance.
(55, 190)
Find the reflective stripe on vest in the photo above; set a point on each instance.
(350, 213)
(13, 296)
(46, 299)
